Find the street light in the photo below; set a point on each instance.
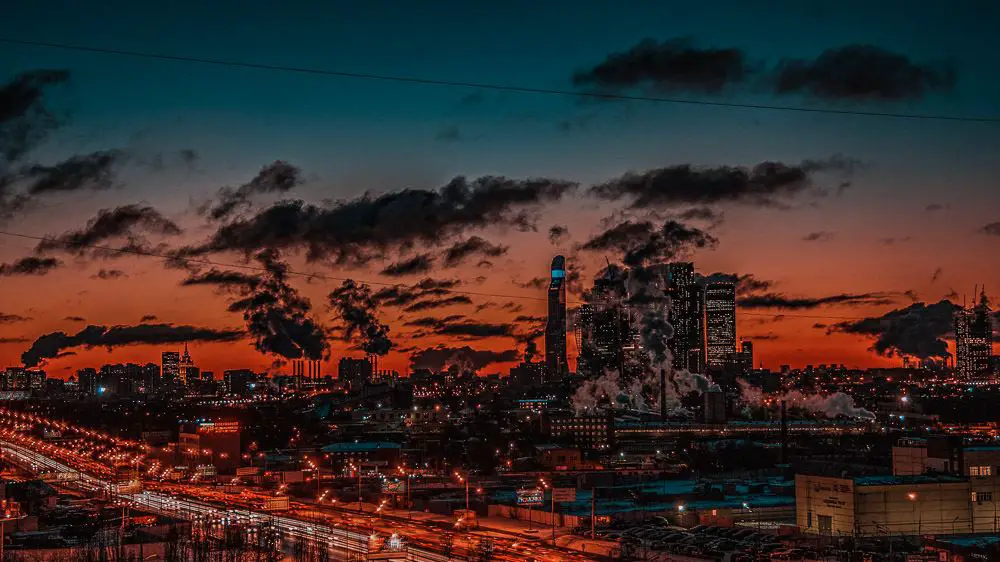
(912, 496)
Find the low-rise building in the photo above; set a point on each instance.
(928, 504)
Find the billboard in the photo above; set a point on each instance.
(530, 497)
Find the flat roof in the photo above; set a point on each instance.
(352, 447)
(890, 480)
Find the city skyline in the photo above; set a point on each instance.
(830, 244)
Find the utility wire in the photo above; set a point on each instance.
(247, 267)
(487, 85)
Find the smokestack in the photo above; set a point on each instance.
(663, 395)
(784, 433)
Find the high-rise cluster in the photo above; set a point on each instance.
(974, 340)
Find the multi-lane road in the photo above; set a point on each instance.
(342, 533)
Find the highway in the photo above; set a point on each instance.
(344, 534)
(341, 542)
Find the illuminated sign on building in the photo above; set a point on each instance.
(219, 427)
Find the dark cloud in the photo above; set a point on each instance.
(777, 300)
(747, 284)
(937, 274)
(464, 358)
(403, 295)
(917, 330)
(769, 336)
(911, 294)
(475, 330)
(433, 322)
(433, 303)
(448, 134)
(356, 230)
(53, 344)
(25, 120)
(819, 325)
(474, 245)
(707, 214)
(951, 295)
(223, 279)
(672, 65)
(129, 222)
(512, 307)
(31, 265)
(75, 319)
(277, 177)
(642, 243)
(529, 319)
(148, 318)
(421, 263)
(766, 183)
(13, 340)
(819, 236)
(993, 229)
(108, 274)
(558, 234)
(862, 72)
(935, 207)
(12, 318)
(94, 171)
(358, 310)
(533, 283)
(277, 317)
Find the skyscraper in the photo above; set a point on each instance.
(746, 357)
(720, 322)
(556, 364)
(170, 367)
(603, 328)
(974, 340)
(187, 370)
(687, 316)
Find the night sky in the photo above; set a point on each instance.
(855, 216)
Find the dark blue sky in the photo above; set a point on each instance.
(355, 135)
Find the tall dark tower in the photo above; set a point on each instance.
(555, 330)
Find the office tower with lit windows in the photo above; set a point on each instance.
(170, 367)
(720, 323)
(746, 357)
(602, 331)
(974, 341)
(556, 364)
(687, 315)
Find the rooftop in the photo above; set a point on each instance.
(890, 480)
(363, 446)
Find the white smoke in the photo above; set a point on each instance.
(831, 405)
(640, 292)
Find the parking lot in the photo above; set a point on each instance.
(734, 544)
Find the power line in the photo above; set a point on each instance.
(247, 267)
(490, 86)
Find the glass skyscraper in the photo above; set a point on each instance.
(720, 322)
(556, 364)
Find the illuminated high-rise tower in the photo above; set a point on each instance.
(170, 367)
(720, 321)
(974, 340)
(556, 364)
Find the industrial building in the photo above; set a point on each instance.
(929, 504)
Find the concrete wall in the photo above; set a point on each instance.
(821, 497)
(538, 515)
(933, 509)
